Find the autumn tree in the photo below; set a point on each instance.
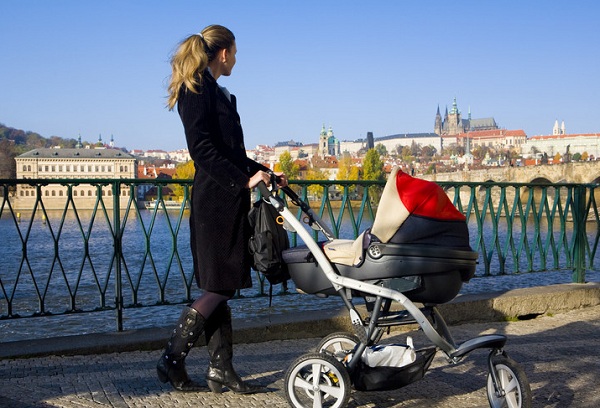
(557, 158)
(346, 168)
(183, 171)
(313, 175)
(286, 164)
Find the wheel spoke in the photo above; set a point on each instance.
(316, 372)
(302, 383)
(333, 390)
(511, 385)
(511, 401)
(337, 347)
(317, 402)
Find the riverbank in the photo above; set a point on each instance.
(517, 304)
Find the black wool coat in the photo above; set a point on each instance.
(220, 201)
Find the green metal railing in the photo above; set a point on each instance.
(80, 245)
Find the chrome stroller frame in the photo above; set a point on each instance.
(324, 378)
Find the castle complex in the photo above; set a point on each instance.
(454, 124)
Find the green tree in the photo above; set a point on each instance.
(381, 149)
(7, 160)
(373, 170)
(406, 154)
(428, 151)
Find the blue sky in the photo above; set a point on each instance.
(71, 67)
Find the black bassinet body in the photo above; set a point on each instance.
(423, 273)
(418, 245)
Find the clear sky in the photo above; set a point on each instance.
(90, 68)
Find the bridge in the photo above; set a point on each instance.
(574, 172)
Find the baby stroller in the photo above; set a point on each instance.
(417, 251)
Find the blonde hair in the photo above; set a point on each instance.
(192, 56)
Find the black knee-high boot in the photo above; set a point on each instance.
(219, 340)
(171, 366)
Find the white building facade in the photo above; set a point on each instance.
(575, 143)
(66, 164)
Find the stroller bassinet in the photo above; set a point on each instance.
(418, 245)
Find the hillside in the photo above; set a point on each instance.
(14, 142)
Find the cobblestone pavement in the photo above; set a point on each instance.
(560, 355)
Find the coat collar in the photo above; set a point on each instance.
(230, 102)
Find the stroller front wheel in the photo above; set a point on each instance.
(514, 390)
(317, 380)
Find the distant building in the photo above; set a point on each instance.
(559, 130)
(453, 122)
(562, 143)
(158, 154)
(500, 139)
(55, 163)
(393, 142)
(181, 155)
(328, 144)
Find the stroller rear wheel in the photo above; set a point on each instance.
(338, 345)
(317, 380)
(515, 391)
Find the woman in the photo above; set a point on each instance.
(220, 204)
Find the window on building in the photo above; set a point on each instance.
(89, 193)
(74, 193)
(53, 193)
(60, 193)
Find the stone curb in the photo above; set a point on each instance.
(515, 304)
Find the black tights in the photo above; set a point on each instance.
(208, 301)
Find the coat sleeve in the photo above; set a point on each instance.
(196, 115)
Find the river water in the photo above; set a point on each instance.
(71, 257)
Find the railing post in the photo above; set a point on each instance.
(116, 186)
(579, 221)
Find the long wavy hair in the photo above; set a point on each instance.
(192, 56)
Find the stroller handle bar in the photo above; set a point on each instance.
(312, 218)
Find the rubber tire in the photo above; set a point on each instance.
(512, 375)
(338, 344)
(333, 386)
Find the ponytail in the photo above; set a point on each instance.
(193, 56)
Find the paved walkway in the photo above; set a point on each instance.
(560, 354)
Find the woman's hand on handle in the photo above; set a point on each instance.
(258, 177)
(281, 179)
